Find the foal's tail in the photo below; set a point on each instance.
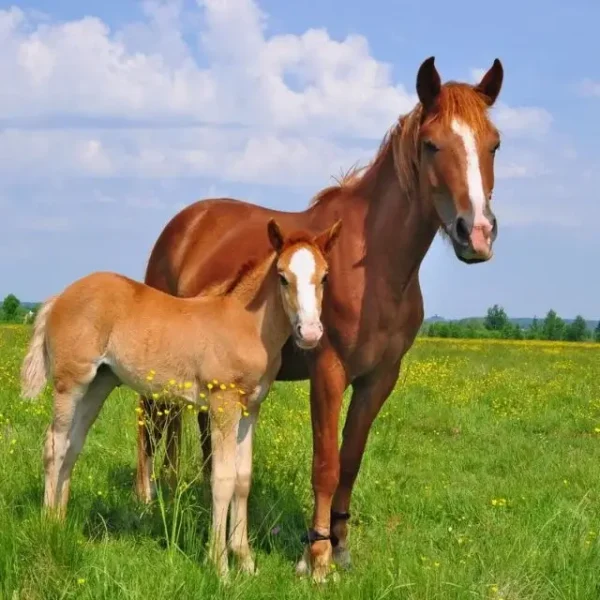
(34, 372)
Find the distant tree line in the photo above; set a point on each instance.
(12, 311)
(496, 324)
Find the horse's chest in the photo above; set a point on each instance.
(380, 335)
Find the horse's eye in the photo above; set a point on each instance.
(495, 148)
(282, 279)
(325, 278)
(430, 146)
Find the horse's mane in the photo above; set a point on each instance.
(456, 101)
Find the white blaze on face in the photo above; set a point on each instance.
(474, 180)
(302, 265)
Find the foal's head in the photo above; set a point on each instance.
(458, 143)
(302, 269)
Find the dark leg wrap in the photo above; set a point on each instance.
(312, 536)
(337, 516)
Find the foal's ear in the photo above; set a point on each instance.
(327, 239)
(429, 83)
(275, 235)
(491, 83)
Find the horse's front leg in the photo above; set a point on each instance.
(368, 396)
(328, 382)
(225, 418)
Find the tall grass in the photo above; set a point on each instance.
(481, 480)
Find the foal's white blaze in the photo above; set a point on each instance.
(474, 180)
(302, 265)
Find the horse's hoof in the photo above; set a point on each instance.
(341, 557)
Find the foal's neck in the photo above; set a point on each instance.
(259, 293)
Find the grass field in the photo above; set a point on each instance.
(481, 480)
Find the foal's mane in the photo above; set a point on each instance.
(252, 266)
(456, 101)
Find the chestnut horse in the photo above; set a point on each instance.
(105, 330)
(434, 171)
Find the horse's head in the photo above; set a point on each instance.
(302, 269)
(458, 143)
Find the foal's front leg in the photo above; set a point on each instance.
(238, 532)
(225, 417)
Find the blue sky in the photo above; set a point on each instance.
(115, 115)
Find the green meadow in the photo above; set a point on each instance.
(481, 480)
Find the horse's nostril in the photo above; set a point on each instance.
(298, 329)
(494, 226)
(461, 230)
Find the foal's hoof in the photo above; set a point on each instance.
(302, 568)
(248, 566)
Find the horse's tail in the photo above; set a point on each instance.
(34, 372)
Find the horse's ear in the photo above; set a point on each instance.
(491, 83)
(275, 235)
(327, 239)
(429, 83)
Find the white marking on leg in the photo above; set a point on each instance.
(474, 179)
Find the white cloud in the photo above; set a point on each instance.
(516, 121)
(522, 121)
(210, 94)
(589, 87)
(147, 71)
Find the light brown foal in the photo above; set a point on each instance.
(105, 330)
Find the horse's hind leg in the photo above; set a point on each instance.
(173, 424)
(154, 422)
(76, 407)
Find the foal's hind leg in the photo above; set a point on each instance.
(76, 407)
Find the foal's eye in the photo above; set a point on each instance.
(430, 146)
(325, 278)
(282, 279)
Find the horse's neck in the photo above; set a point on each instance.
(399, 226)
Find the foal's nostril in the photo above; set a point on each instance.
(299, 330)
(494, 227)
(461, 230)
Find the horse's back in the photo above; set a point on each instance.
(207, 242)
